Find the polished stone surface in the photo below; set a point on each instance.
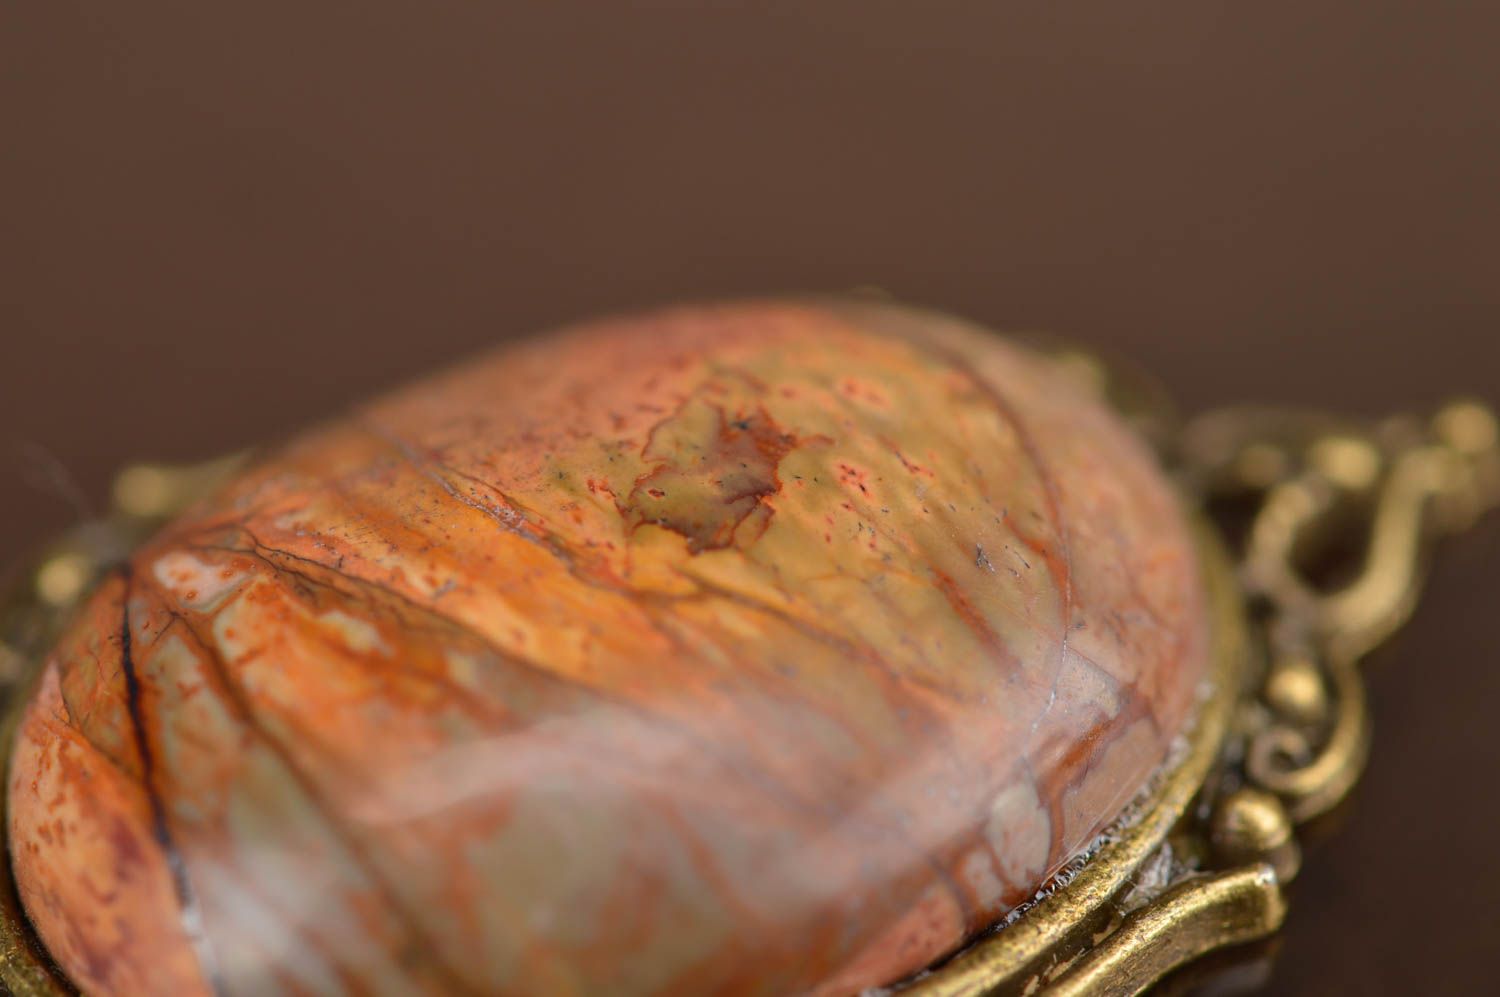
(755, 648)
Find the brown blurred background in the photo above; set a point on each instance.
(223, 220)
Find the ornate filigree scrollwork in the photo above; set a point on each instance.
(1335, 555)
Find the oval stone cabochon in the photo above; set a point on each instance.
(761, 647)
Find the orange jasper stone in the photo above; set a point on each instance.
(757, 648)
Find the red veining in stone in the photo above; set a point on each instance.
(753, 648)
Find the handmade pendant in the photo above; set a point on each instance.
(778, 647)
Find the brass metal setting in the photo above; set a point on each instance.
(1392, 489)
(1341, 518)
(1198, 915)
(1251, 825)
